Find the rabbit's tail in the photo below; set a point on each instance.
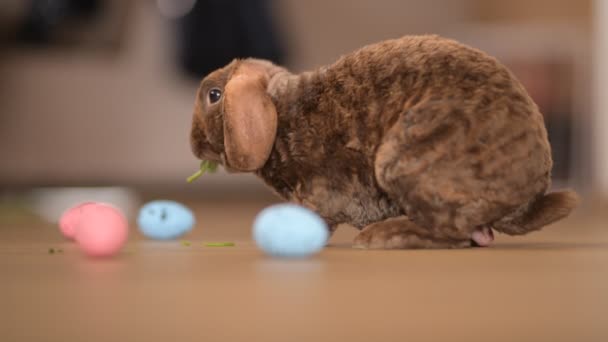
(546, 209)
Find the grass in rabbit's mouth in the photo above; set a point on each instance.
(206, 166)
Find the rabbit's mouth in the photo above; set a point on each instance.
(224, 161)
(202, 149)
(209, 155)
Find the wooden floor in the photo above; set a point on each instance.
(549, 286)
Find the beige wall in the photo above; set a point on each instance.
(321, 30)
(600, 98)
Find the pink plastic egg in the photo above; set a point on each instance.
(101, 231)
(71, 217)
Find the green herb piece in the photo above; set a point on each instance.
(55, 250)
(194, 176)
(206, 166)
(186, 243)
(220, 244)
(211, 166)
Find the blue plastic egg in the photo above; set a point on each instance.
(165, 220)
(288, 230)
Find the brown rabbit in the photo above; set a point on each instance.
(420, 142)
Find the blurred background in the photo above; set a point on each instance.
(96, 96)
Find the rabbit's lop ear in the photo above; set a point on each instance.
(250, 118)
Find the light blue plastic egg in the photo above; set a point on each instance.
(288, 230)
(165, 220)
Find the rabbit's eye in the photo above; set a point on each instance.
(215, 95)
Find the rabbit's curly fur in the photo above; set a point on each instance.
(418, 141)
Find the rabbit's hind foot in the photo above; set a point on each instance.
(402, 233)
